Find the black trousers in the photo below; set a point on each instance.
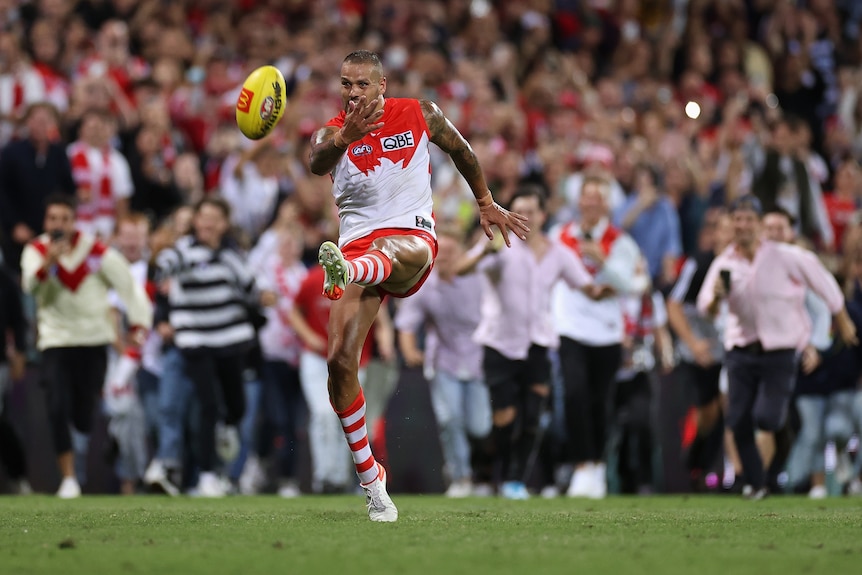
(12, 456)
(760, 386)
(588, 379)
(634, 426)
(73, 379)
(218, 381)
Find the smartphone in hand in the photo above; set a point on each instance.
(725, 279)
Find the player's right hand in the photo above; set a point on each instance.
(362, 118)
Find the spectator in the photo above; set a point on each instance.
(591, 332)
(69, 273)
(825, 392)
(652, 220)
(330, 458)
(700, 347)
(845, 199)
(516, 337)
(210, 291)
(46, 45)
(12, 366)
(646, 347)
(766, 327)
(453, 361)
(163, 373)
(102, 176)
(783, 180)
(124, 401)
(31, 170)
(250, 185)
(21, 85)
(280, 275)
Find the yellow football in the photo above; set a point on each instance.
(261, 102)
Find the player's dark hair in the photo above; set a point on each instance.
(365, 57)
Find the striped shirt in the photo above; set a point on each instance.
(209, 295)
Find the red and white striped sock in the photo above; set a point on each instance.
(370, 269)
(353, 423)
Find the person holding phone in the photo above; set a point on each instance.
(767, 327)
(69, 273)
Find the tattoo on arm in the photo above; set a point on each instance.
(324, 153)
(450, 140)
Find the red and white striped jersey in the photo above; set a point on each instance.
(384, 179)
(105, 176)
(17, 91)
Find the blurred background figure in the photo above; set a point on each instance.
(451, 360)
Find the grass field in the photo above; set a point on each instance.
(331, 535)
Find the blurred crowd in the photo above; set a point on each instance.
(681, 106)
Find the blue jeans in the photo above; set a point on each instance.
(824, 418)
(148, 393)
(176, 393)
(247, 426)
(857, 421)
(462, 408)
(284, 406)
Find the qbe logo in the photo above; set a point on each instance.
(398, 141)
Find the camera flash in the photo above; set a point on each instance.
(692, 110)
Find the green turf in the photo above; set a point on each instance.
(331, 535)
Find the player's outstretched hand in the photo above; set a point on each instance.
(361, 119)
(495, 215)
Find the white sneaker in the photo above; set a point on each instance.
(289, 489)
(483, 490)
(380, 506)
(600, 482)
(227, 442)
(459, 489)
(855, 486)
(581, 484)
(335, 271)
(22, 487)
(550, 492)
(818, 492)
(69, 489)
(156, 475)
(253, 477)
(209, 485)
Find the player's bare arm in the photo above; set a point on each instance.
(450, 140)
(329, 143)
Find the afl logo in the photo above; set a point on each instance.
(266, 107)
(361, 150)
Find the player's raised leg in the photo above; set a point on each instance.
(395, 263)
(349, 322)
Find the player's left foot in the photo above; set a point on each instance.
(380, 506)
(335, 270)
